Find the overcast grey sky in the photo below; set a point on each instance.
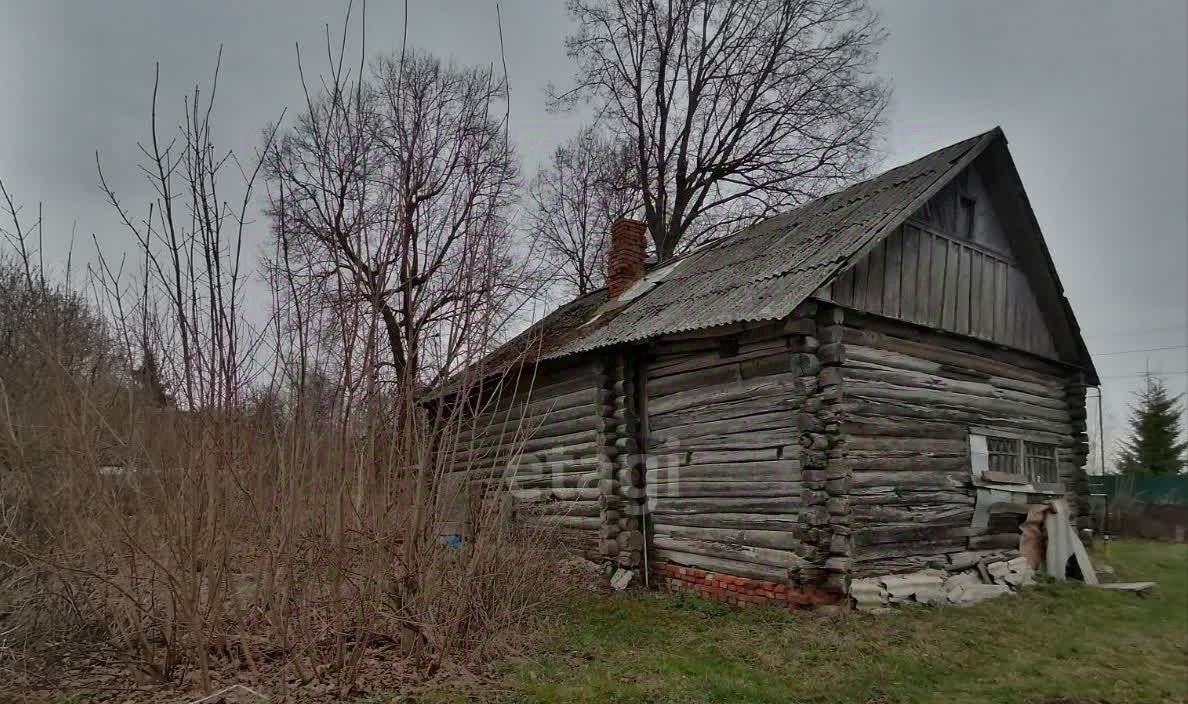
(1093, 97)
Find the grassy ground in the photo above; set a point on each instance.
(1054, 643)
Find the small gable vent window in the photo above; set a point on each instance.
(1030, 459)
(966, 209)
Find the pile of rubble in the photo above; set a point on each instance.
(988, 579)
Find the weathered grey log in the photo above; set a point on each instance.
(884, 534)
(943, 514)
(771, 470)
(725, 410)
(579, 442)
(704, 394)
(859, 369)
(926, 411)
(774, 539)
(918, 463)
(556, 494)
(947, 350)
(924, 446)
(724, 566)
(727, 551)
(879, 426)
(917, 480)
(552, 481)
(574, 522)
(778, 420)
(583, 509)
(741, 521)
(861, 355)
(690, 488)
(767, 438)
(975, 402)
(730, 456)
(703, 362)
(905, 549)
(548, 427)
(724, 505)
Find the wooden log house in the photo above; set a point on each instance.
(876, 382)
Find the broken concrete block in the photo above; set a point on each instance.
(971, 594)
(868, 594)
(932, 597)
(998, 569)
(901, 587)
(961, 579)
(963, 560)
(621, 579)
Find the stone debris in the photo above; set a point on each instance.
(868, 594)
(987, 577)
(971, 594)
(621, 579)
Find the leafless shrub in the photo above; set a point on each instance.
(225, 497)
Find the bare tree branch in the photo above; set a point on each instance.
(732, 108)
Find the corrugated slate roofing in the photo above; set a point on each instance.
(764, 271)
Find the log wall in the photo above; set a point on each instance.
(911, 398)
(723, 472)
(542, 435)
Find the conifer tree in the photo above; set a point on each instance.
(1154, 445)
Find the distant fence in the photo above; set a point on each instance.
(1160, 491)
(1145, 507)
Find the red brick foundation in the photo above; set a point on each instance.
(739, 591)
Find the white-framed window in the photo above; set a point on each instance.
(1008, 453)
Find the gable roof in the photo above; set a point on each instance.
(762, 272)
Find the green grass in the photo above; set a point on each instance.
(1052, 643)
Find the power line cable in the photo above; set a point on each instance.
(1142, 374)
(1147, 349)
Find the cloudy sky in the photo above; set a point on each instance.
(1093, 97)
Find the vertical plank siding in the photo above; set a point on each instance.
(926, 278)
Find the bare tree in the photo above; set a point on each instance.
(574, 197)
(732, 108)
(393, 191)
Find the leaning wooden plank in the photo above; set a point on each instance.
(1136, 587)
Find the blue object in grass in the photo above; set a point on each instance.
(451, 541)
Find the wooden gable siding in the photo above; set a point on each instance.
(911, 398)
(539, 436)
(939, 272)
(723, 476)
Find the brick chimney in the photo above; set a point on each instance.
(625, 263)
